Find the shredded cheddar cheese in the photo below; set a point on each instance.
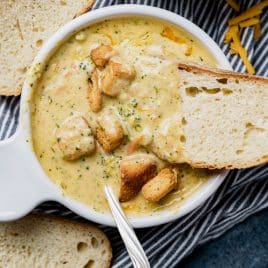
(257, 30)
(250, 17)
(113, 42)
(244, 16)
(241, 51)
(251, 12)
(168, 33)
(243, 54)
(232, 37)
(233, 30)
(235, 47)
(233, 5)
(235, 35)
(189, 51)
(249, 22)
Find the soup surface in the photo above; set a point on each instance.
(149, 107)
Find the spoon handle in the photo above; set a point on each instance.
(133, 246)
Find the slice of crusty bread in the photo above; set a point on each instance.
(47, 241)
(25, 26)
(225, 118)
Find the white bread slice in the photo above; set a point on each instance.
(24, 26)
(225, 118)
(48, 241)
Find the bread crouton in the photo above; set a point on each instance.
(135, 170)
(116, 77)
(75, 138)
(94, 92)
(101, 55)
(159, 186)
(109, 131)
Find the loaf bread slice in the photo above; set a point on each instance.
(25, 26)
(224, 118)
(48, 241)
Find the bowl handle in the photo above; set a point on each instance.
(20, 189)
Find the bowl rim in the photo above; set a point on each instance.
(49, 48)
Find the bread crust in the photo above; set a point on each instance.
(221, 73)
(94, 92)
(85, 9)
(109, 143)
(8, 92)
(109, 132)
(229, 166)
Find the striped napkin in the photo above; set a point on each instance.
(243, 193)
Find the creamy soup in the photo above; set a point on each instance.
(148, 106)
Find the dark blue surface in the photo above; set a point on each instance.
(244, 246)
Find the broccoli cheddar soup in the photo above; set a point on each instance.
(106, 111)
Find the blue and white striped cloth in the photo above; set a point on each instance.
(243, 193)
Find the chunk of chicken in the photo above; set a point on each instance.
(135, 170)
(116, 78)
(109, 131)
(159, 186)
(134, 144)
(75, 138)
(94, 92)
(101, 55)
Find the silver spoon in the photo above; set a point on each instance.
(133, 246)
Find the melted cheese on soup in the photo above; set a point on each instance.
(148, 106)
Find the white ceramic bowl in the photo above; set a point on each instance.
(24, 184)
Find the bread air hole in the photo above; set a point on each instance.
(22, 70)
(249, 125)
(94, 242)
(211, 90)
(192, 91)
(39, 42)
(183, 121)
(14, 234)
(222, 80)
(182, 138)
(227, 91)
(252, 130)
(89, 264)
(239, 151)
(82, 246)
